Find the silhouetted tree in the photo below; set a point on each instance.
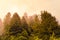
(36, 24)
(7, 22)
(15, 25)
(48, 25)
(26, 27)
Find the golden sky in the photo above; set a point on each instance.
(29, 6)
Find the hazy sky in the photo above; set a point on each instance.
(29, 6)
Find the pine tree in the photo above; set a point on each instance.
(48, 25)
(25, 27)
(15, 25)
(36, 24)
(7, 22)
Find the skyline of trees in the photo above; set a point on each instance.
(34, 27)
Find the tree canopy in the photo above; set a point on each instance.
(36, 27)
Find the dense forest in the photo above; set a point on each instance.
(35, 27)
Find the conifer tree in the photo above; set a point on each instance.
(48, 25)
(15, 25)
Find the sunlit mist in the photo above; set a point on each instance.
(29, 6)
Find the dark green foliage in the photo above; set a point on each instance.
(57, 32)
(25, 26)
(15, 25)
(31, 28)
(48, 24)
(36, 25)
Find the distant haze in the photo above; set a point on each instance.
(29, 6)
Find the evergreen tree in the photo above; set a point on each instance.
(25, 27)
(15, 25)
(48, 25)
(36, 24)
(7, 22)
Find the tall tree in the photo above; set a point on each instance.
(7, 19)
(25, 26)
(15, 25)
(7, 22)
(26, 17)
(48, 24)
(36, 24)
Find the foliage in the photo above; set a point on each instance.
(33, 28)
(7, 22)
(48, 25)
(15, 25)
